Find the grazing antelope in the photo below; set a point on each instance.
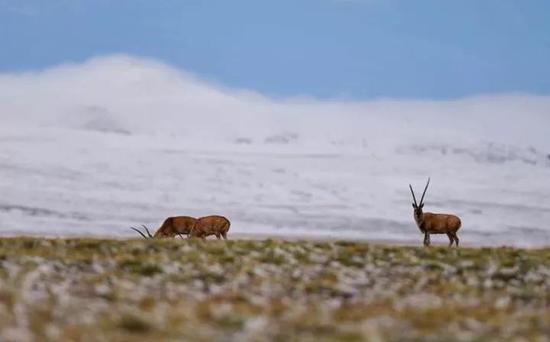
(172, 226)
(430, 223)
(211, 225)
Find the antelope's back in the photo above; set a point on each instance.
(183, 224)
(442, 223)
(176, 225)
(213, 223)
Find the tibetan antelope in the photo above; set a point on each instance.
(172, 226)
(211, 225)
(430, 223)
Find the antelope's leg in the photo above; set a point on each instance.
(426, 239)
(224, 234)
(451, 239)
(218, 236)
(456, 239)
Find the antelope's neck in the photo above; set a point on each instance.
(419, 221)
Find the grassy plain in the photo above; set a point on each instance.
(269, 290)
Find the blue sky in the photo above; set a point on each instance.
(357, 49)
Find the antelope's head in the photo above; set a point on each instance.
(418, 207)
(148, 236)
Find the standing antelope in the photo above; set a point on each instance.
(430, 223)
(211, 225)
(172, 226)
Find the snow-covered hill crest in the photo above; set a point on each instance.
(130, 95)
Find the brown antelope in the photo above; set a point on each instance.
(430, 223)
(172, 226)
(211, 225)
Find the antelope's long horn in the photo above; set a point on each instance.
(412, 192)
(140, 233)
(424, 193)
(147, 230)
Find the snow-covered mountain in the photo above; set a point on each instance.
(118, 141)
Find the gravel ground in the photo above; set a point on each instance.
(264, 290)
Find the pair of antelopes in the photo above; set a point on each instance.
(428, 223)
(190, 226)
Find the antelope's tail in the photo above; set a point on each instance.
(227, 225)
(459, 224)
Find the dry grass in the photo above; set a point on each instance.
(136, 290)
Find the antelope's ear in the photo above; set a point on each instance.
(414, 206)
(422, 206)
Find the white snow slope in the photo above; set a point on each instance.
(92, 149)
